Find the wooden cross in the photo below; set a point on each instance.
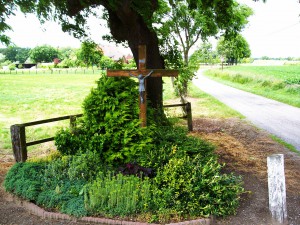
(141, 74)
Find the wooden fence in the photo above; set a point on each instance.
(52, 71)
(18, 132)
(188, 110)
(18, 135)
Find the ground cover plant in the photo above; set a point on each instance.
(110, 166)
(281, 83)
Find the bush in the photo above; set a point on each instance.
(70, 142)
(25, 180)
(195, 187)
(12, 66)
(47, 185)
(173, 142)
(111, 124)
(118, 195)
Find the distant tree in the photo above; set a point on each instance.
(2, 58)
(10, 53)
(233, 48)
(14, 53)
(108, 63)
(185, 22)
(66, 52)
(89, 53)
(265, 58)
(44, 53)
(22, 54)
(205, 54)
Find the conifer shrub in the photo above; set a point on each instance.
(111, 124)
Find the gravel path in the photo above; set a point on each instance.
(277, 118)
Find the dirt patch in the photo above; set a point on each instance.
(241, 146)
(245, 149)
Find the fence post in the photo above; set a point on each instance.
(72, 123)
(188, 108)
(277, 191)
(18, 140)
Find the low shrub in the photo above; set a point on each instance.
(40, 183)
(293, 80)
(118, 195)
(173, 142)
(25, 180)
(196, 187)
(238, 78)
(66, 196)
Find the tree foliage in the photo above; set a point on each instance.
(44, 53)
(90, 53)
(234, 49)
(184, 22)
(133, 22)
(205, 54)
(15, 54)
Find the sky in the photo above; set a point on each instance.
(273, 30)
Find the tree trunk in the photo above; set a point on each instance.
(128, 25)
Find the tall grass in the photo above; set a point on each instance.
(281, 83)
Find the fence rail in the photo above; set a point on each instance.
(52, 71)
(18, 135)
(18, 131)
(188, 110)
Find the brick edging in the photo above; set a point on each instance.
(38, 211)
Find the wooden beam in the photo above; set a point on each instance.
(142, 57)
(156, 73)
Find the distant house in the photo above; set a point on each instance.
(128, 57)
(116, 53)
(25, 65)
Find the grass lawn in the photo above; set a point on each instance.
(281, 83)
(26, 98)
(31, 97)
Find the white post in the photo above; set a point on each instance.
(277, 191)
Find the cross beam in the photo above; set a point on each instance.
(141, 74)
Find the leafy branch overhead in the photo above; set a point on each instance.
(203, 17)
(150, 22)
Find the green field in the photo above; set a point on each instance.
(31, 97)
(26, 98)
(281, 83)
(288, 74)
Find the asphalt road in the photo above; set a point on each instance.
(277, 118)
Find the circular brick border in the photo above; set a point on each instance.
(38, 211)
